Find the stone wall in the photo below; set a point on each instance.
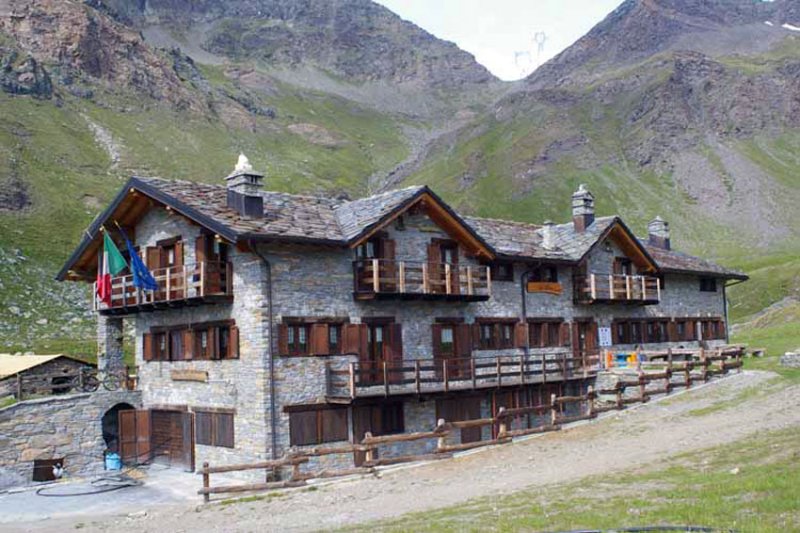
(241, 384)
(58, 426)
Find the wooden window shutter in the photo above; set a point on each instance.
(319, 339)
(201, 249)
(153, 258)
(463, 340)
(476, 336)
(213, 344)
(147, 346)
(351, 339)
(436, 334)
(434, 253)
(564, 334)
(179, 254)
(233, 342)
(615, 333)
(672, 331)
(521, 335)
(283, 339)
(188, 344)
(394, 351)
(389, 247)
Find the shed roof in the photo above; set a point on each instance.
(14, 364)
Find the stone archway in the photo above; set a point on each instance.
(110, 425)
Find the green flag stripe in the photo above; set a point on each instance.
(116, 263)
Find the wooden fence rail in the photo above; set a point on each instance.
(588, 408)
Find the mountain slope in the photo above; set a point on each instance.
(685, 108)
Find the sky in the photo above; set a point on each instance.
(509, 37)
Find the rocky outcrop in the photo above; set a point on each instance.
(357, 39)
(81, 44)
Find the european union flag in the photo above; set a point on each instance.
(142, 278)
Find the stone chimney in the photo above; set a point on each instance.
(244, 189)
(582, 208)
(658, 233)
(548, 235)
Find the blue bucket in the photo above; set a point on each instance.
(113, 461)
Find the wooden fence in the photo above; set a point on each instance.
(702, 369)
(85, 380)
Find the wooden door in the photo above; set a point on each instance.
(135, 436)
(392, 352)
(435, 271)
(460, 409)
(172, 438)
(448, 251)
(362, 423)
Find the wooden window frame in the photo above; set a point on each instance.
(215, 435)
(191, 347)
(319, 413)
(708, 284)
(544, 274)
(496, 271)
(541, 332)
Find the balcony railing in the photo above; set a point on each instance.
(420, 280)
(421, 376)
(196, 283)
(608, 288)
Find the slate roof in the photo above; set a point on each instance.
(526, 241)
(675, 261)
(303, 218)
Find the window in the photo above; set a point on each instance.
(214, 428)
(502, 271)
(495, 334)
(622, 332)
(197, 342)
(680, 327)
(449, 253)
(544, 274)
(297, 339)
(447, 344)
(544, 333)
(315, 426)
(383, 419)
(708, 285)
(335, 338)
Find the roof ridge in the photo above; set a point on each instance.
(489, 219)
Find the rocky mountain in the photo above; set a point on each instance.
(685, 108)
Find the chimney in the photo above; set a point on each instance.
(548, 235)
(658, 233)
(582, 208)
(244, 189)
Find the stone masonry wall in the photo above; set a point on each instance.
(67, 426)
(242, 384)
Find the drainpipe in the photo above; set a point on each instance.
(273, 422)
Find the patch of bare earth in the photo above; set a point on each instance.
(639, 438)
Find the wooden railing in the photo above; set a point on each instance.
(383, 276)
(617, 288)
(82, 380)
(199, 280)
(418, 376)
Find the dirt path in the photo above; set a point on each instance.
(635, 437)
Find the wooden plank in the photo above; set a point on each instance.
(254, 487)
(407, 459)
(471, 445)
(258, 466)
(532, 431)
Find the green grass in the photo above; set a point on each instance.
(749, 485)
(5, 402)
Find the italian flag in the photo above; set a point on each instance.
(111, 264)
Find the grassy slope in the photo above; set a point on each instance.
(70, 178)
(694, 489)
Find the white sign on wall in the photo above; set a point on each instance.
(604, 335)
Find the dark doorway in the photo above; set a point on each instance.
(460, 409)
(110, 426)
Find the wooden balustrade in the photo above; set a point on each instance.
(418, 376)
(176, 285)
(617, 288)
(419, 279)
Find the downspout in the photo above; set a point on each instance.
(273, 422)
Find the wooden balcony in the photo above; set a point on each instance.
(205, 282)
(348, 381)
(616, 288)
(420, 280)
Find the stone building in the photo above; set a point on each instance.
(287, 320)
(38, 374)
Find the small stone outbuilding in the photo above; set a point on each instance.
(41, 373)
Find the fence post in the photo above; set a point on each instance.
(385, 380)
(352, 380)
(553, 412)
(416, 375)
(620, 405)
(590, 397)
(704, 363)
(369, 455)
(206, 482)
(502, 428)
(522, 368)
(441, 442)
(499, 372)
(444, 374)
(642, 385)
